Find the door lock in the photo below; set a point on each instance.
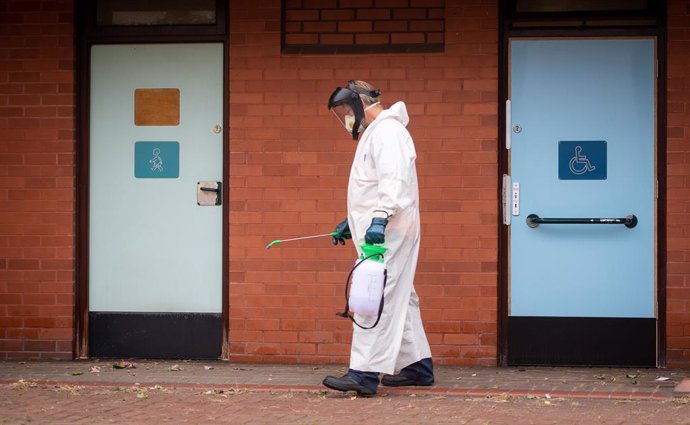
(517, 128)
(209, 193)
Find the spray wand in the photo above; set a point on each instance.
(277, 241)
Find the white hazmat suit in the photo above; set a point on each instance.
(384, 178)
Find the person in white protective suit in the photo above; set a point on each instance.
(383, 207)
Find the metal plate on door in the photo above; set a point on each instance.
(209, 193)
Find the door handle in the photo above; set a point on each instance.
(209, 193)
(630, 221)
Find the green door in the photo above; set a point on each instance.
(155, 218)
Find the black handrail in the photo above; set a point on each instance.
(629, 221)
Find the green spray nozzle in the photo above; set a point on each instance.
(277, 241)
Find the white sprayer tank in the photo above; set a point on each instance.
(367, 285)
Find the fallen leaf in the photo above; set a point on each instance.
(208, 367)
(681, 400)
(124, 365)
(77, 373)
(74, 389)
(175, 368)
(96, 369)
(22, 385)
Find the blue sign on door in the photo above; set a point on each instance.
(156, 160)
(582, 160)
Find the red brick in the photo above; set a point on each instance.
(311, 27)
(319, 4)
(7, 345)
(355, 26)
(427, 3)
(372, 14)
(402, 4)
(39, 345)
(390, 26)
(299, 15)
(336, 39)
(408, 38)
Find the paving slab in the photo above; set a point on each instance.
(585, 382)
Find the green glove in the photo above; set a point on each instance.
(375, 232)
(342, 232)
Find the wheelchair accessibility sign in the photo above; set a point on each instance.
(583, 160)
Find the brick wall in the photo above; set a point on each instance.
(363, 25)
(678, 185)
(289, 166)
(290, 162)
(37, 157)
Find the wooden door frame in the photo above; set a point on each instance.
(88, 34)
(552, 26)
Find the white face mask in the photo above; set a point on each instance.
(349, 120)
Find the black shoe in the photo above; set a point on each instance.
(401, 380)
(345, 383)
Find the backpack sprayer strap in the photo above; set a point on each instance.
(345, 312)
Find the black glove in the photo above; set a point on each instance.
(375, 231)
(342, 232)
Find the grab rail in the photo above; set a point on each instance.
(630, 221)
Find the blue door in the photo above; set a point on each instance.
(580, 202)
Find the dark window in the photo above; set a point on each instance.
(152, 20)
(579, 5)
(582, 14)
(155, 12)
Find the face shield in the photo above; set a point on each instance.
(346, 105)
(348, 119)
